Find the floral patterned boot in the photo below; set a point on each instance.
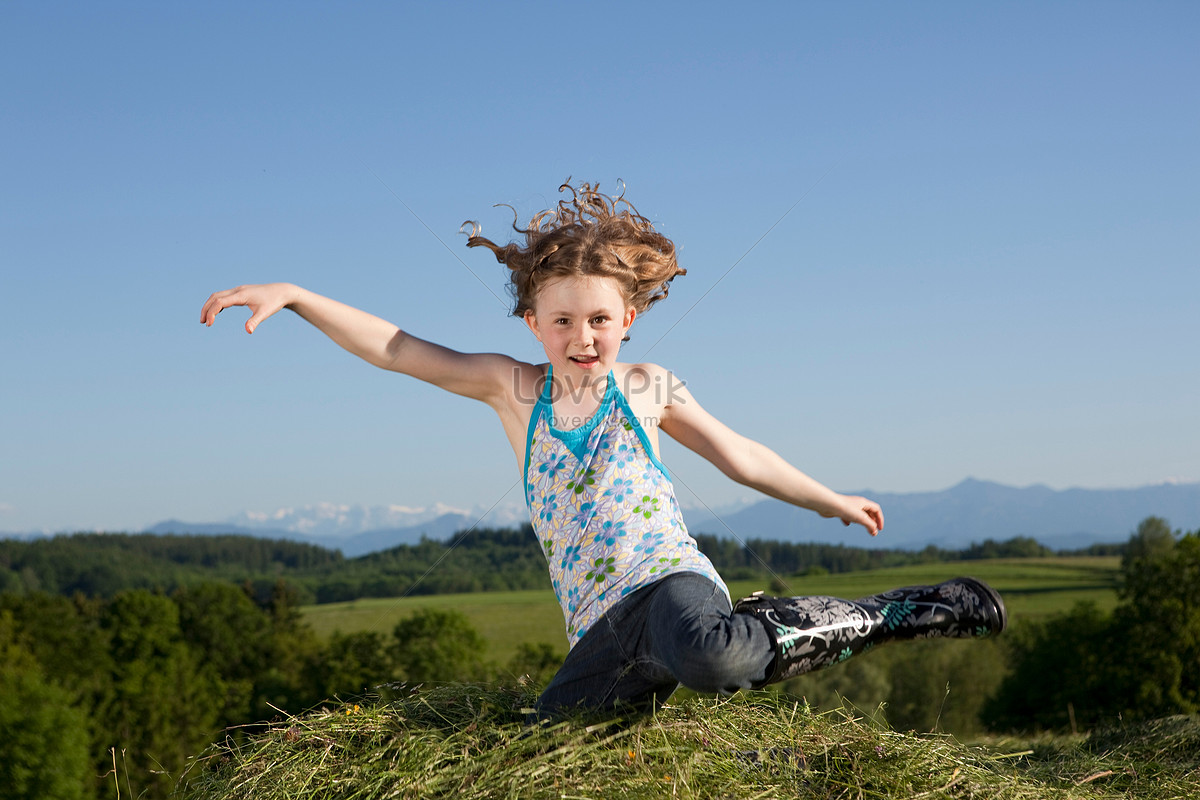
(811, 633)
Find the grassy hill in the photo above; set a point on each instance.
(468, 742)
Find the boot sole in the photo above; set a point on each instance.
(990, 594)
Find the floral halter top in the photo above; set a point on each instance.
(604, 509)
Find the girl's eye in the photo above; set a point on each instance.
(599, 320)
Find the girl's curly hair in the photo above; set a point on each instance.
(590, 234)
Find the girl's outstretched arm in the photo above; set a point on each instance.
(481, 376)
(757, 466)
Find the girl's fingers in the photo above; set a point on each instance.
(219, 301)
(212, 307)
(261, 312)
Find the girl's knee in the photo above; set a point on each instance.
(721, 671)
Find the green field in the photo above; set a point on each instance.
(1032, 587)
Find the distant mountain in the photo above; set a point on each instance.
(355, 530)
(346, 521)
(953, 518)
(223, 528)
(973, 511)
(23, 535)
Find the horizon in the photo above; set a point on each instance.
(922, 242)
(257, 520)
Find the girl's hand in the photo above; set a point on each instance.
(860, 511)
(263, 301)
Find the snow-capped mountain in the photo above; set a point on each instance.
(341, 521)
(356, 529)
(971, 511)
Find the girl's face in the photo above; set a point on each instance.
(581, 322)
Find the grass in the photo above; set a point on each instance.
(471, 742)
(504, 619)
(1032, 587)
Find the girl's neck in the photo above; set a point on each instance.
(578, 391)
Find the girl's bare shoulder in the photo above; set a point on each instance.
(648, 387)
(523, 381)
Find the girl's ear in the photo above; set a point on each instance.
(630, 315)
(531, 321)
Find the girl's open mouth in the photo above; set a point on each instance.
(585, 361)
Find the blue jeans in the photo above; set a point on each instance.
(677, 630)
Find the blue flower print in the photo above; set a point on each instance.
(620, 490)
(573, 599)
(604, 443)
(621, 456)
(583, 515)
(650, 542)
(570, 557)
(552, 468)
(610, 531)
(549, 504)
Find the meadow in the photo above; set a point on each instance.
(1032, 588)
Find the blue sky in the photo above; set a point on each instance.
(924, 241)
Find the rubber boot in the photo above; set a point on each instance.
(810, 633)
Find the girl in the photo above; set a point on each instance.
(645, 609)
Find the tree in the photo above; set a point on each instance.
(1153, 538)
(165, 704)
(536, 662)
(44, 746)
(1160, 625)
(65, 637)
(942, 685)
(290, 680)
(230, 634)
(1062, 671)
(923, 686)
(355, 662)
(438, 645)
(1138, 663)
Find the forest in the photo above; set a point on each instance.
(183, 641)
(484, 559)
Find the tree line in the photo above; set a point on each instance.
(486, 559)
(103, 697)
